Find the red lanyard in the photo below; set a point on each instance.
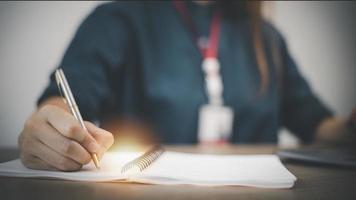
(212, 50)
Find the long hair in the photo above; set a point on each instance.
(252, 10)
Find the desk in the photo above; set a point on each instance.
(314, 182)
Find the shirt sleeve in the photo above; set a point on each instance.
(302, 111)
(96, 52)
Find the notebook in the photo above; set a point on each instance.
(170, 168)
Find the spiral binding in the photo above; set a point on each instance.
(145, 160)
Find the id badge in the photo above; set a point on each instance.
(215, 123)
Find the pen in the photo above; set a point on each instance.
(68, 97)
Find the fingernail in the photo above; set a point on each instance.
(93, 147)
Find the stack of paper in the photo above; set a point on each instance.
(176, 168)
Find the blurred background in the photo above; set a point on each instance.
(34, 36)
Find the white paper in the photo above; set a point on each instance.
(177, 168)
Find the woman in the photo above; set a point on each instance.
(193, 72)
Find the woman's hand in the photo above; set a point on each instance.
(53, 139)
(336, 129)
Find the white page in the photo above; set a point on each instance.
(248, 170)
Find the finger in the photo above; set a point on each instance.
(53, 158)
(69, 127)
(64, 146)
(103, 137)
(34, 162)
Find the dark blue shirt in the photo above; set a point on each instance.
(132, 59)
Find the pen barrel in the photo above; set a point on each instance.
(76, 113)
(68, 97)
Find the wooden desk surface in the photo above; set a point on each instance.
(314, 182)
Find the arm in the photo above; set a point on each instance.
(303, 113)
(52, 138)
(94, 61)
